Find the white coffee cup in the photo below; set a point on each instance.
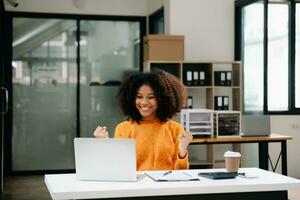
(232, 161)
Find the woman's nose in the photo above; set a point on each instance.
(144, 101)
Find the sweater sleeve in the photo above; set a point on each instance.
(180, 163)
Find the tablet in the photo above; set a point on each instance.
(219, 175)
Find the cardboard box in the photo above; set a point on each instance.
(164, 47)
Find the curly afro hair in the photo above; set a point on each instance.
(168, 90)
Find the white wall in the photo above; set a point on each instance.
(287, 125)
(154, 5)
(208, 27)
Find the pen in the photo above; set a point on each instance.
(168, 172)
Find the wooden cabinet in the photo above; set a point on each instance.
(208, 84)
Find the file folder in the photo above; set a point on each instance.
(188, 78)
(220, 78)
(202, 78)
(228, 78)
(195, 78)
(221, 102)
(190, 102)
(225, 103)
(218, 103)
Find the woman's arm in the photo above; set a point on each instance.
(184, 140)
(181, 154)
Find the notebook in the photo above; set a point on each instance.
(105, 159)
(256, 125)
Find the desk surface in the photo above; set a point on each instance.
(273, 137)
(66, 186)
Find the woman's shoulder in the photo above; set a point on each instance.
(125, 123)
(122, 130)
(174, 127)
(173, 124)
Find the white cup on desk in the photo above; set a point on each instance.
(232, 161)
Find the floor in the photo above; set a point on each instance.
(34, 188)
(25, 188)
(294, 194)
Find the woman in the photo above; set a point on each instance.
(150, 100)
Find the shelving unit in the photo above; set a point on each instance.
(203, 93)
(172, 67)
(209, 90)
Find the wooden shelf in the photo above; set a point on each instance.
(219, 161)
(198, 87)
(201, 163)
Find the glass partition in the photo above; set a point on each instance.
(44, 94)
(112, 53)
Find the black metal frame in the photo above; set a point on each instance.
(8, 72)
(1, 85)
(239, 4)
(153, 18)
(264, 157)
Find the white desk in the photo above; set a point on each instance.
(267, 185)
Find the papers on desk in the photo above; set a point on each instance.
(172, 176)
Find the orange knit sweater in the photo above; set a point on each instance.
(157, 144)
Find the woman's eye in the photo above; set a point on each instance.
(151, 97)
(139, 97)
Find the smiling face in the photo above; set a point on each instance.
(146, 102)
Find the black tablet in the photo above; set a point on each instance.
(219, 175)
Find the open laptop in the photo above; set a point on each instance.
(105, 159)
(256, 125)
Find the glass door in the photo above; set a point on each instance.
(109, 51)
(44, 78)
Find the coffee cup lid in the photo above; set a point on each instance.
(232, 154)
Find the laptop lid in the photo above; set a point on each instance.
(105, 159)
(256, 125)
